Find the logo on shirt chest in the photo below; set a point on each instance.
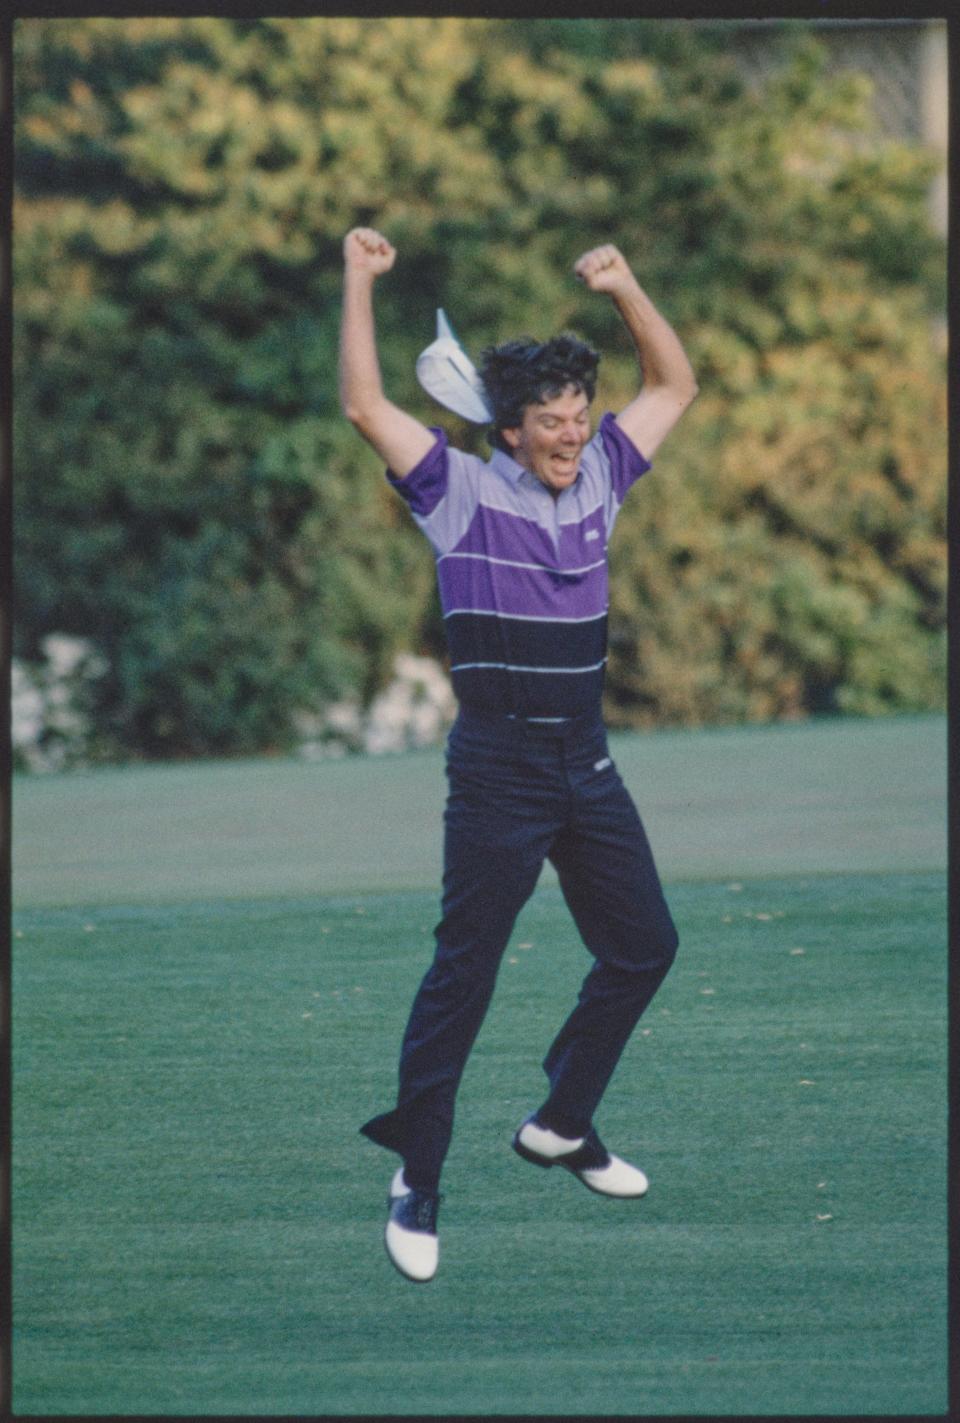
(592, 534)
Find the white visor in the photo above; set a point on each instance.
(447, 373)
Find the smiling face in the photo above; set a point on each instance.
(551, 438)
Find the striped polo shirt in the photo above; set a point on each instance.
(523, 576)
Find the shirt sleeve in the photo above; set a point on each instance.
(627, 464)
(442, 491)
(426, 484)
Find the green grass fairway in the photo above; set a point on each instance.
(198, 1223)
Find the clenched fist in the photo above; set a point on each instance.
(604, 269)
(367, 250)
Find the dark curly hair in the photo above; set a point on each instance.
(527, 372)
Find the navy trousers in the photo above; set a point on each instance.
(519, 793)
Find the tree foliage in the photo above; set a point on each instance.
(187, 494)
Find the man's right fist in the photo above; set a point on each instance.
(368, 251)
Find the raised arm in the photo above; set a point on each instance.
(399, 439)
(669, 385)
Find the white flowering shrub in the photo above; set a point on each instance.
(413, 711)
(50, 729)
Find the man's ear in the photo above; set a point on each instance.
(512, 437)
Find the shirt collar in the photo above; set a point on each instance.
(507, 466)
(513, 472)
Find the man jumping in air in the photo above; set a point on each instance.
(521, 545)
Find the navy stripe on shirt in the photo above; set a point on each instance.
(499, 691)
(525, 642)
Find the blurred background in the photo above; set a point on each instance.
(208, 561)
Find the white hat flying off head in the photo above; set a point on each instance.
(447, 373)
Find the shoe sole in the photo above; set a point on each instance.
(536, 1159)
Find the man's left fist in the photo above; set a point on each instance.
(604, 269)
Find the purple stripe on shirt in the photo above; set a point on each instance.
(525, 541)
(476, 584)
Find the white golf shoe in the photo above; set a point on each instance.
(411, 1233)
(585, 1157)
